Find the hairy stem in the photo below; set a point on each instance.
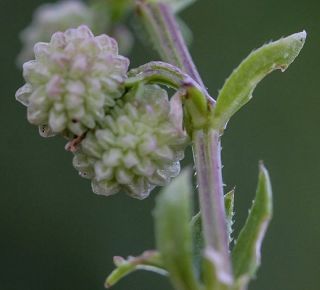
(162, 27)
(207, 155)
(165, 33)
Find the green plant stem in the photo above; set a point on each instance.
(165, 33)
(207, 156)
(160, 22)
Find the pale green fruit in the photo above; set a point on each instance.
(72, 81)
(138, 147)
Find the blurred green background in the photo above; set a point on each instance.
(57, 235)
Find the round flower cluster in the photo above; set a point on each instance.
(72, 81)
(138, 147)
(50, 18)
(123, 140)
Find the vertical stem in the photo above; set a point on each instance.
(164, 30)
(207, 155)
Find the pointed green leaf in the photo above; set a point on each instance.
(149, 261)
(198, 243)
(196, 224)
(246, 252)
(173, 231)
(229, 205)
(196, 227)
(238, 88)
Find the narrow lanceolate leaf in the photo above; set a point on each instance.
(229, 205)
(176, 5)
(198, 243)
(196, 227)
(173, 232)
(238, 88)
(149, 261)
(246, 252)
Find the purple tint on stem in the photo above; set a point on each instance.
(160, 22)
(163, 29)
(207, 155)
(186, 60)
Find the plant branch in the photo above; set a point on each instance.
(161, 24)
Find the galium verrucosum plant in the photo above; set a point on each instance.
(129, 140)
(128, 136)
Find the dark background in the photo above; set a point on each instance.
(57, 235)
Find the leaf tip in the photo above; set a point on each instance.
(118, 260)
(265, 187)
(263, 170)
(107, 285)
(230, 195)
(295, 42)
(300, 36)
(261, 166)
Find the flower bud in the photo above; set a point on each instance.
(72, 81)
(138, 147)
(50, 18)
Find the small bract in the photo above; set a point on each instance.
(139, 146)
(72, 81)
